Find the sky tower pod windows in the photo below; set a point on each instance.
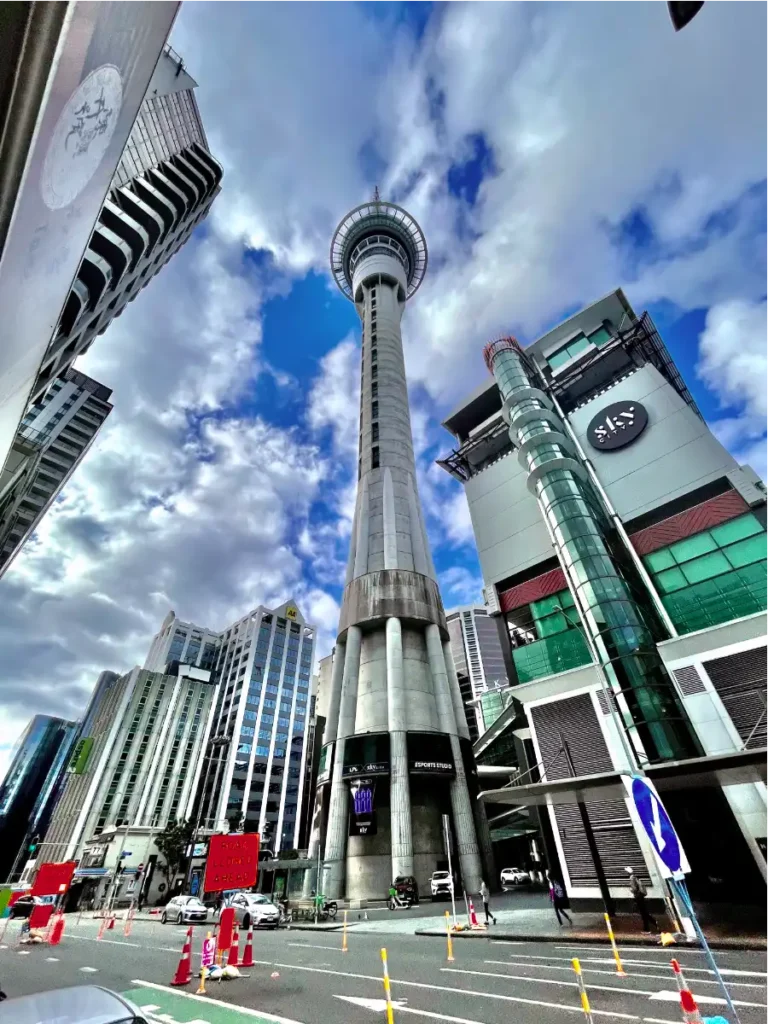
(375, 457)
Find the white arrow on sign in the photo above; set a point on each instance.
(380, 1005)
(661, 842)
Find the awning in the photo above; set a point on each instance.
(712, 770)
(91, 872)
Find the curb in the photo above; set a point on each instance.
(756, 944)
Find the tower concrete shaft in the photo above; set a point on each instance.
(395, 716)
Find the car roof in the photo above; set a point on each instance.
(81, 1004)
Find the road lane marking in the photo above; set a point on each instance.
(597, 946)
(461, 991)
(548, 981)
(89, 970)
(51, 959)
(669, 996)
(633, 974)
(311, 945)
(380, 1006)
(113, 942)
(208, 1000)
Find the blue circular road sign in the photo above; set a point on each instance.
(656, 823)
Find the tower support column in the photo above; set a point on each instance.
(461, 805)
(338, 812)
(399, 786)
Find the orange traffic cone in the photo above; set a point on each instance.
(102, 926)
(691, 1013)
(473, 922)
(111, 924)
(183, 974)
(247, 960)
(232, 959)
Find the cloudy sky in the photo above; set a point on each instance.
(550, 152)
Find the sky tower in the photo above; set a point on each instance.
(396, 753)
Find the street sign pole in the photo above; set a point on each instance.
(447, 835)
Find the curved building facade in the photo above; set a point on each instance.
(396, 754)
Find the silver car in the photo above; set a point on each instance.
(253, 908)
(184, 910)
(71, 1006)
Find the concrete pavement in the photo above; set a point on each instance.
(316, 983)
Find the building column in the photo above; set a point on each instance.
(399, 785)
(463, 822)
(337, 674)
(453, 679)
(334, 866)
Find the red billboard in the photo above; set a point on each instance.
(233, 862)
(53, 879)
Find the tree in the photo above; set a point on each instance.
(172, 844)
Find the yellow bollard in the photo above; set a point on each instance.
(344, 947)
(619, 968)
(387, 991)
(201, 986)
(582, 992)
(448, 935)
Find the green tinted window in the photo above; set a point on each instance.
(545, 606)
(744, 552)
(692, 547)
(706, 567)
(660, 560)
(600, 337)
(735, 529)
(672, 579)
(577, 346)
(558, 359)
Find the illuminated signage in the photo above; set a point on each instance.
(362, 821)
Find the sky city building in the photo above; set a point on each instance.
(624, 552)
(255, 765)
(60, 427)
(479, 660)
(396, 734)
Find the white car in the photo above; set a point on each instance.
(513, 876)
(440, 884)
(254, 908)
(184, 910)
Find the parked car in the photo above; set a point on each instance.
(184, 910)
(71, 1006)
(24, 906)
(513, 876)
(254, 908)
(441, 884)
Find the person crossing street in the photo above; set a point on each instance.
(485, 895)
(639, 894)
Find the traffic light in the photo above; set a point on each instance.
(682, 13)
(33, 843)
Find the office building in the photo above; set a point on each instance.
(396, 742)
(32, 774)
(58, 428)
(182, 642)
(255, 766)
(623, 550)
(479, 660)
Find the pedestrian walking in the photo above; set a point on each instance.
(639, 894)
(486, 898)
(219, 903)
(559, 900)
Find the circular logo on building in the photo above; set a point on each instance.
(617, 426)
(82, 134)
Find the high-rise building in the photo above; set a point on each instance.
(164, 187)
(396, 734)
(624, 553)
(255, 767)
(479, 660)
(33, 773)
(59, 428)
(183, 642)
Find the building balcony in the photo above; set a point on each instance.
(551, 655)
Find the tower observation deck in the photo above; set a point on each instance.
(396, 750)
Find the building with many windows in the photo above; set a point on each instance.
(59, 428)
(624, 555)
(184, 642)
(479, 659)
(255, 768)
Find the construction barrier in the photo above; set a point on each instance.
(129, 920)
(583, 992)
(344, 947)
(183, 974)
(448, 935)
(387, 990)
(233, 960)
(619, 967)
(57, 930)
(690, 1010)
(102, 926)
(247, 960)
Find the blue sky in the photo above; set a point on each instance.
(547, 165)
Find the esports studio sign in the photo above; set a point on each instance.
(617, 426)
(363, 818)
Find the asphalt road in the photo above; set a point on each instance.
(306, 977)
